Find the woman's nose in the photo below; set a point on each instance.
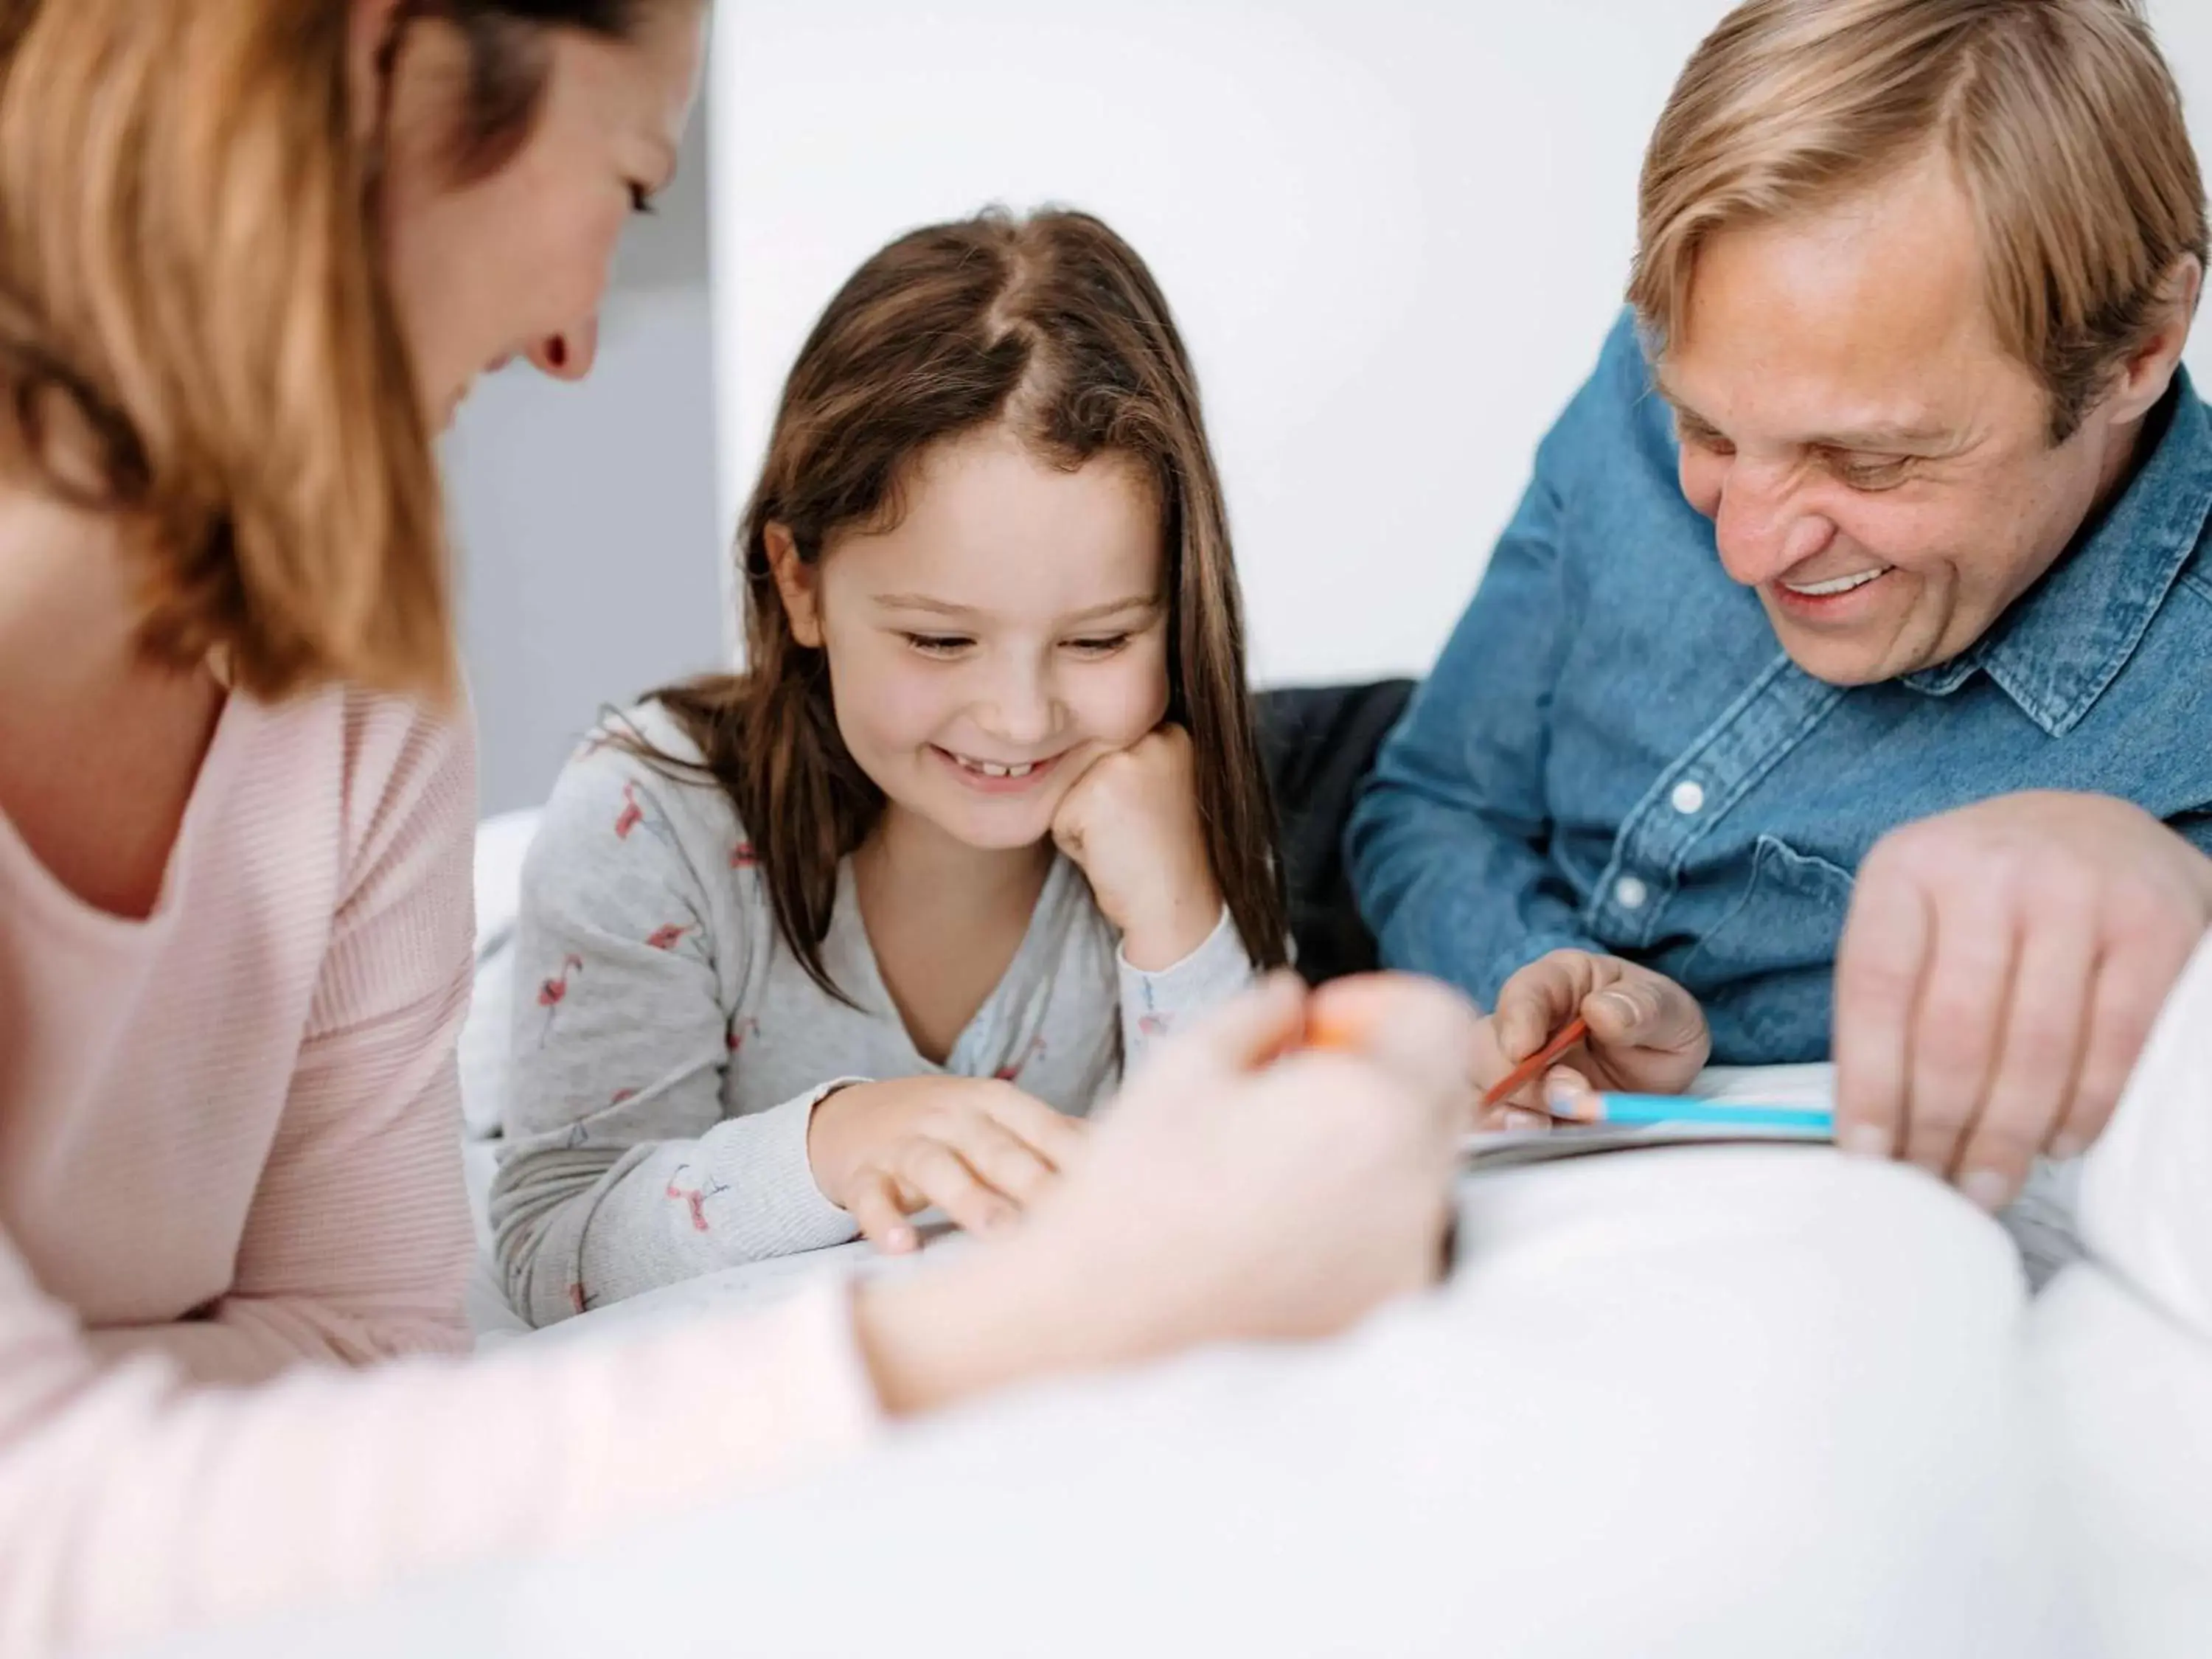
(569, 354)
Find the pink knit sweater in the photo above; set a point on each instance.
(227, 1150)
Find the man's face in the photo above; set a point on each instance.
(1873, 462)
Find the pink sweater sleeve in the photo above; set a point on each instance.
(133, 1505)
(358, 1243)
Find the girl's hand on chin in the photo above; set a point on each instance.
(1130, 824)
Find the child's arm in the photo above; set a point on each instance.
(1155, 1006)
(1130, 825)
(1447, 843)
(634, 944)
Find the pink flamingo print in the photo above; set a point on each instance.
(552, 992)
(622, 1095)
(633, 814)
(742, 857)
(576, 1298)
(740, 1030)
(695, 1198)
(1154, 1025)
(1014, 1068)
(669, 936)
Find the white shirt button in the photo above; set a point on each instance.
(1631, 892)
(1689, 797)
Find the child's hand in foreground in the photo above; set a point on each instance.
(1244, 1189)
(1130, 824)
(1648, 1036)
(978, 1149)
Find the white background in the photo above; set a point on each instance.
(1395, 232)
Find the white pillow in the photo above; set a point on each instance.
(501, 844)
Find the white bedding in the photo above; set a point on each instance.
(1713, 1403)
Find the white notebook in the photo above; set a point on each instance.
(759, 1282)
(1810, 1086)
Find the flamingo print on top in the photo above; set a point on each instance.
(1012, 1070)
(635, 815)
(729, 1044)
(554, 992)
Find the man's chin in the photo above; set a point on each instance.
(1866, 656)
(1838, 663)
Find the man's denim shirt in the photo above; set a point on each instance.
(1614, 753)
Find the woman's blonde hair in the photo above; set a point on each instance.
(195, 332)
(2060, 118)
(189, 278)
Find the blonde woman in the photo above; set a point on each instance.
(252, 256)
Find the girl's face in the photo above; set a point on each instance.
(515, 264)
(1009, 631)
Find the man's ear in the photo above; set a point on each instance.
(795, 580)
(2145, 376)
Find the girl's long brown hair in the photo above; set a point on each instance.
(1051, 324)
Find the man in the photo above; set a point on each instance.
(1847, 665)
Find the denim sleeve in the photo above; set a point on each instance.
(1447, 845)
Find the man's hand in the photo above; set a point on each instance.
(1647, 1035)
(1999, 973)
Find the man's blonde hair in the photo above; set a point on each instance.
(2060, 117)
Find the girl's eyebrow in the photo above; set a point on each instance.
(1090, 613)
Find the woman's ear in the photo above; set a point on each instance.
(371, 39)
(795, 583)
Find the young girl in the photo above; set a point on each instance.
(868, 926)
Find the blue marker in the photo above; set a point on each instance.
(1681, 1109)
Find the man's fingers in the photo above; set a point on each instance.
(2039, 1062)
(873, 1203)
(1958, 1021)
(1878, 968)
(2132, 985)
(1535, 1002)
(1642, 1012)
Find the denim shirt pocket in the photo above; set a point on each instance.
(1766, 972)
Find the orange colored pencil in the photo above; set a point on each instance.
(1575, 1030)
(1331, 1034)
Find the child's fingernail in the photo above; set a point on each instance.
(1865, 1140)
(899, 1238)
(1987, 1188)
(1522, 1118)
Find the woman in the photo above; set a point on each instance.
(251, 256)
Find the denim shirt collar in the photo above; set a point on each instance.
(2068, 638)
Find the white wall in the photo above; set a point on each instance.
(1395, 232)
(590, 555)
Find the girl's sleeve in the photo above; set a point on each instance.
(133, 1503)
(621, 1173)
(1157, 1005)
